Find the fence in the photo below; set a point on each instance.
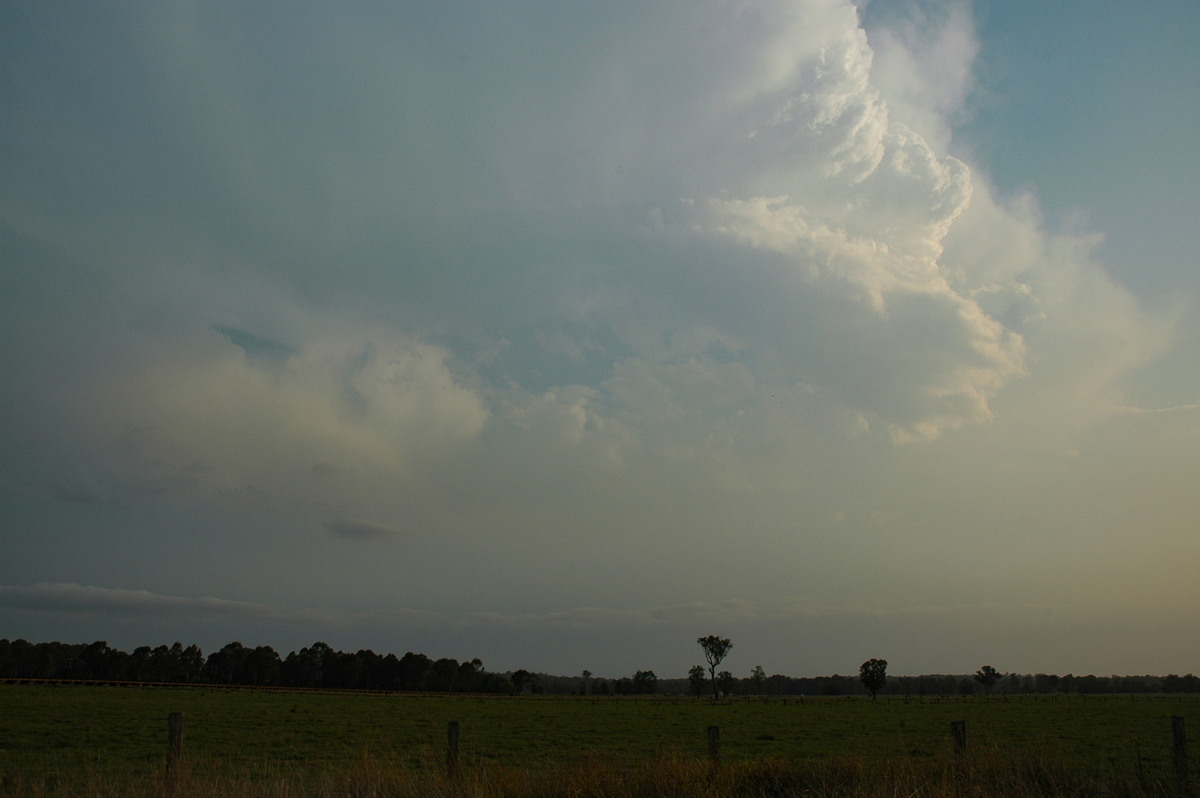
(958, 738)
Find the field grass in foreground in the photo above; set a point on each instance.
(99, 741)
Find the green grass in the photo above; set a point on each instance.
(69, 735)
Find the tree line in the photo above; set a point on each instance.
(931, 684)
(317, 665)
(321, 666)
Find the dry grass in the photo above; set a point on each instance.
(980, 775)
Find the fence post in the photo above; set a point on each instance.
(174, 748)
(1179, 754)
(452, 748)
(714, 744)
(958, 729)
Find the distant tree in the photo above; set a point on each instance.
(758, 679)
(412, 670)
(110, 663)
(496, 683)
(645, 682)
(873, 674)
(470, 675)
(522, 679)
(191, 663)
(586, 676)
(140, 664)
(726, 682)
(441, 677)
(261, 666)
(1174, 683)
(303, 668)
(384, 673)
(715, 648)
(696, 680)
(987, 676)
(225, 666)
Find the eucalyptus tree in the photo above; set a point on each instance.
(715, 648)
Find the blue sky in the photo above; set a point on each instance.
(560, 337)
(1108, 102)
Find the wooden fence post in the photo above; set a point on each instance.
(714, 744)
(958, 729)
(174, 748)
(452, 748)
(1179, 755)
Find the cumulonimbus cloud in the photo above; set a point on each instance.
(722, 231)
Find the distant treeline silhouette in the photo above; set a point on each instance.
(965, 684)
(317, 665)
(320, 666)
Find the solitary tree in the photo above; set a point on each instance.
(715, 649)
(586, 675)
(987, 676)
(873, 674)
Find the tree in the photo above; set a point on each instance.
(987, 676)
(586, 676)
(192, 663)
(496, 683)
(726, 683)
(873, 674)
(470, 675)
(522, 679)
(260, 666)
(225, 666)
(696, 680)
(645, 682)
(758, 678)
(412, 669)
(715, 649)
(441, 676)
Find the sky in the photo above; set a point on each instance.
(563, 334)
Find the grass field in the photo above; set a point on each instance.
(70, 740)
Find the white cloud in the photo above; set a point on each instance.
(1085, 334)
(924, 57)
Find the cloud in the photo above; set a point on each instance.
(320, 424)
(732, 612)
(777, 229)
(96, 601)
(354, 529)
(594, 307)
(924, 63)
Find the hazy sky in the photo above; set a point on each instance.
(560, 334)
